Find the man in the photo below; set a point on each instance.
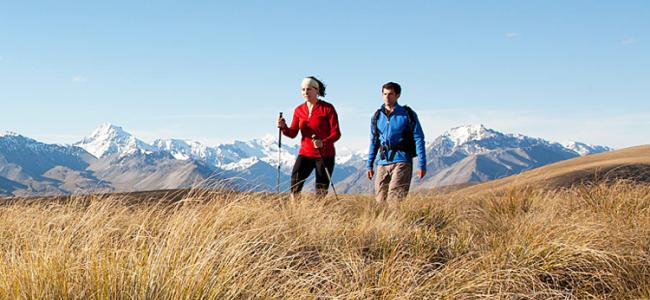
(395, 133)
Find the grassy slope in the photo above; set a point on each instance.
(583, 242)
(625, 163)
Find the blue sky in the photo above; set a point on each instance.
(217, 71)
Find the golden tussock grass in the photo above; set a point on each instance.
(582, 242)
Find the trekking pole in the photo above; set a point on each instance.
(327, 171)
(279, 155)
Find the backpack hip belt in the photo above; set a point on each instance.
(393, 150)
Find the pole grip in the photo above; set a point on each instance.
(279, 125)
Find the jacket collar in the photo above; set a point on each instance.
(315, 104)
(396, 109)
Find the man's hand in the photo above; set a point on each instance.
(421, 173)
(370, 174)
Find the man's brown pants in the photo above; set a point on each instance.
(393, 182)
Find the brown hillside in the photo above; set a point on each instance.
(630, 163)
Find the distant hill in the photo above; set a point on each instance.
(629, 163)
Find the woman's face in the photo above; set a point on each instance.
(309, 92)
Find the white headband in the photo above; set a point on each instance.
(310, 82)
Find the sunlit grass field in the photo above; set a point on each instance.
(583, 242)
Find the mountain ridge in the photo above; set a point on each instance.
(113, 159)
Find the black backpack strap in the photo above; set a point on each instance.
(411, 116)
(375, 129)
(410, 147)
(375, 133)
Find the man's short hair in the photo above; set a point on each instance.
(393, 86)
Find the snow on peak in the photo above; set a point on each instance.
(187, 149)
(463, 134)
(583, 148)
(349, 156)
(108, 131)
(241, 164)
(109, 139)
(228, 155)
(18, 138)
(269, 139)
(268, 143)
(267, 150)
(8, 133)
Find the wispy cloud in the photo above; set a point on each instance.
(511, 35)
(216, 116)
(628, 41)
(79, 79)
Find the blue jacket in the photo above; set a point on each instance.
(392, 130)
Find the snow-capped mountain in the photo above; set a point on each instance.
(464, 134)
(265, 149)
(235, 159)
(476, 139)
(8, 133)
(585, 149)
(237, 155)
(30, 167)
(186, 149)
(474, 153)
(112, 159)
(19, 145)
(109, 139)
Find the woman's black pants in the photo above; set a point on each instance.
(302, 169)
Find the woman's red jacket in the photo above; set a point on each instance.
(323, 122)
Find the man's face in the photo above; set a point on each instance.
(390, 97)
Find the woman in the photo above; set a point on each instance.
(313, 118)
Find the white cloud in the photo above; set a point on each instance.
(628, 41)
(511, 35)
(79, 79)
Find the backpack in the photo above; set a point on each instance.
(408, 142)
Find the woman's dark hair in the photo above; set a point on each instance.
(321, 86)
(392, 86)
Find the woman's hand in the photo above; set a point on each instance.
(318, 143)
(282, 124)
